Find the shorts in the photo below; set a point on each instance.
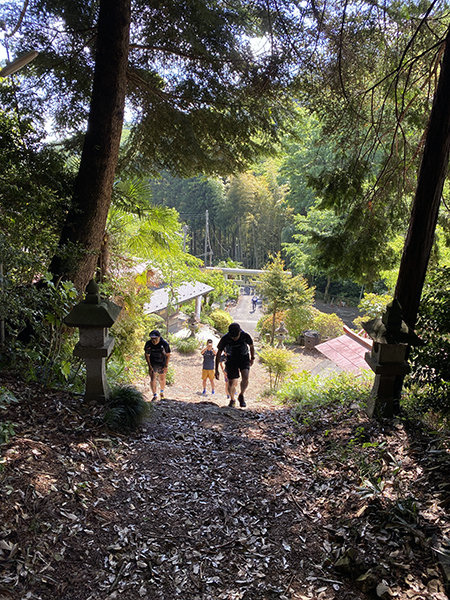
(208, 374)
(233, 369)
(158, 368)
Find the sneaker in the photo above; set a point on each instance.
(161, 395)
(155, 397)
(241, 401)
(213, 392)
(232, 403)
(228, 395)
(204, 393)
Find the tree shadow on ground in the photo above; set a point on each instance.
(203, 503)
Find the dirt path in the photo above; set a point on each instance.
(188, 384)
(223, 510)
(244, 314)
(211, 503)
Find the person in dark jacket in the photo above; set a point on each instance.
(157, 354)
(240, 351)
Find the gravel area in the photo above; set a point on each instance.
(188, 383)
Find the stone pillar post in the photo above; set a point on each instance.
(198, 307)
(388, 362)
(391, 338)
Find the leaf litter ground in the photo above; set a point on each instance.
(208, 502)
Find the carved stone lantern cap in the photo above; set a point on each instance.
(93, 311)
(390, 328)
(281, 329)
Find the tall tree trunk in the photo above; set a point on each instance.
(82, 234)
(327, 289)
(425, 209)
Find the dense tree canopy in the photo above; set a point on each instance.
(200, 98)
(34, 185)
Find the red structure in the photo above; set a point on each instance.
(347, 351)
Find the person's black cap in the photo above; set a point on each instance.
(155, 334)
(234, 329)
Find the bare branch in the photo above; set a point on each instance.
(19, 22)
(341, 35)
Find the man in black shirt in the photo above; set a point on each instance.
(240, 352)
(157, 354)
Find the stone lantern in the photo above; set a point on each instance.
(93, 316)
(391, 340)
(281, 333)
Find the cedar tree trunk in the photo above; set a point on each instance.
(425, 208)
(82, 233)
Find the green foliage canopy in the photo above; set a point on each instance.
(429, 381)
(200, 97)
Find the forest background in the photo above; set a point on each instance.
(299, 127)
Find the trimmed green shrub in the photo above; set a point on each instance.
(298, 320)
(328, 325)
(221, 320)
(264, 325)
(126, 409)
(206, 320)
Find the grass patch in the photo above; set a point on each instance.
(309, 393)
(126, 409)
(187, 345)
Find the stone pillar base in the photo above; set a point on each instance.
(97, 387)
(383, 402)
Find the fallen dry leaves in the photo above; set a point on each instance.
(212, 503)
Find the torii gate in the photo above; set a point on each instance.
(240, 276)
